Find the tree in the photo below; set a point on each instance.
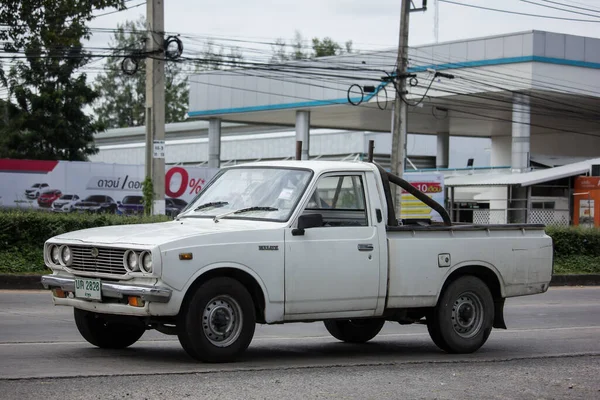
(325, 47)
(279, 52)
(298, 45)
(122, 97)
(47, 90)
(320, 48)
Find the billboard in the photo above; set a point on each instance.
(432, 184)
(66, 186)
(586, 196)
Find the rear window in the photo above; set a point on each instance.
(179, 202)
(97, 199)
(133, 200)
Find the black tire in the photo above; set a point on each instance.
(106, 334)
(354, 330)
(217, 302)
(463, 318)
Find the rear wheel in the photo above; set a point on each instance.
(217, 323)
(462, 320)
(105, 333)
(354, 330)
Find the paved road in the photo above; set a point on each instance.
(552, 350)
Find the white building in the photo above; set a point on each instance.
(533, 97)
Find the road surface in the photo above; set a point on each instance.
(551, 350)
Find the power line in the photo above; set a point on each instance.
(118, 11)
(517, 12)
(572, 6)
(558, 8)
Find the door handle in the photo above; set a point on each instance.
(365, 247)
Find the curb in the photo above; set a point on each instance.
(32, 282)
(576, 280)
(20, 282)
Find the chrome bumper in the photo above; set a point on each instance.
(111, 289)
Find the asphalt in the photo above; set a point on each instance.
(551, 350)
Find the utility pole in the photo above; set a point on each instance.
(400, 107)
(155, 102)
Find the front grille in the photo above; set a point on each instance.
(108, 261)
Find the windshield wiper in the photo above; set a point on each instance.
(212, 204)
(243, 210)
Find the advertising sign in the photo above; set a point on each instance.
(65, 186)
(586, 196)
(432, 184)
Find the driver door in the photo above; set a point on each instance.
(335, 267)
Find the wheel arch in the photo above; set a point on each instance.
(490, 276)
(242, 274)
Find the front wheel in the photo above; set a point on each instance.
(217, 323)
(354, 330)
(106, 333)
(463, 318)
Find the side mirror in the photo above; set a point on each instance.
(307, 221)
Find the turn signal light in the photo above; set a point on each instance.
(136, 301)
(59, 293)
(186, 256)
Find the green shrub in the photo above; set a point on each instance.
(576, 250)
(23, 233)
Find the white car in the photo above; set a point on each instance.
(35, 190)
(294, 241)
(65, 203)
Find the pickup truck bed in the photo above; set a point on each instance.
(522, 272)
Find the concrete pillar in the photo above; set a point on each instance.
(442, 157)
(214, 143)
(521, 133)
(303, 131)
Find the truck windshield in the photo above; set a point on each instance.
(275, 190)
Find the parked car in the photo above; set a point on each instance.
(35, 190)
(174, 206)
(65, 203)
(131, 205)
(48, 197)
(295, 241)
(97, 204)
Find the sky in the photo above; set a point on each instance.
(369, 24)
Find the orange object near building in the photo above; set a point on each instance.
(586, 200)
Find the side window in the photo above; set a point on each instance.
(340, 199)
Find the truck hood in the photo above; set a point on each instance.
(160, 233)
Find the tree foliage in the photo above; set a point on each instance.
(299, 50)
(47, 90)
(122, 100)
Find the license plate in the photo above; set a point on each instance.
(88, 289)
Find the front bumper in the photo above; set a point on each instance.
(112, 289)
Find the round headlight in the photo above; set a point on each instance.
(131, 261)
(65, 255)
(146, 260)
(54, 254)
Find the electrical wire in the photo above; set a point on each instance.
(558, 8)
(517, 12)
(571, 6)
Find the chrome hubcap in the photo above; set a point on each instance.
(467, 315)
(222, 321)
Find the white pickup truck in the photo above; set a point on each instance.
(289, 241)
